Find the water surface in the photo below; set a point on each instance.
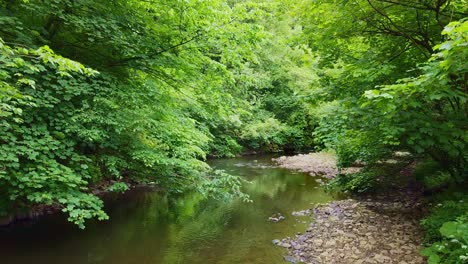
(152, 228)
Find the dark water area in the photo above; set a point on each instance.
(150, 227)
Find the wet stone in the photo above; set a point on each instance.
(290, 259)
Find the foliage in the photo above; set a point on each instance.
(118, 187)
(453, 248)
(274, 85)
(427, 114)
(265, 135)
(447, 207)
(225, 146)
(38, 162)
(222, 184)
(359, 182)
(65, 127)
(377, 44)
(432, 175)
(141, 91)
(446, 229)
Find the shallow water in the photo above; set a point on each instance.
(149, 227)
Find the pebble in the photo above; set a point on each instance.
(360, 231)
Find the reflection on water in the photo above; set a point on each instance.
(149, 227)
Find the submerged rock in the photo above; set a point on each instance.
(285, 245)
(290, 259)
(276, 218)
(276, 241)
(302, 213)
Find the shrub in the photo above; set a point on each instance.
(453, 246)
(267, 135)
(225, 146)
(118, 187)
(431, 175)
(447, 229)
(448, 207)
(359, 182)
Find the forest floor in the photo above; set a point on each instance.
(378, 228)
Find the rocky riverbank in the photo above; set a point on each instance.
(316, 164)
(381, 228)
(374, 230)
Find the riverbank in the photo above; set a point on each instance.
(101, 190)
(315, 164)
(380, 228)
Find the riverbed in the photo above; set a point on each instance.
(154, 227)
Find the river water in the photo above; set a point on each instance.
(152, 228)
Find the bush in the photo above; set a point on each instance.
(448, 207)
(359, 182)
(118, 187)
(225, 146)
(437, 179)
(446, 229)
(453, 247)
(431, 175)
(267, 135)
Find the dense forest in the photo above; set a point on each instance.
(100, 95)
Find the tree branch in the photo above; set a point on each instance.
(126, 61)
(398, 31)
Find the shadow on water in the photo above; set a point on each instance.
(149, 227)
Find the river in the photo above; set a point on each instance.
(152, 228)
